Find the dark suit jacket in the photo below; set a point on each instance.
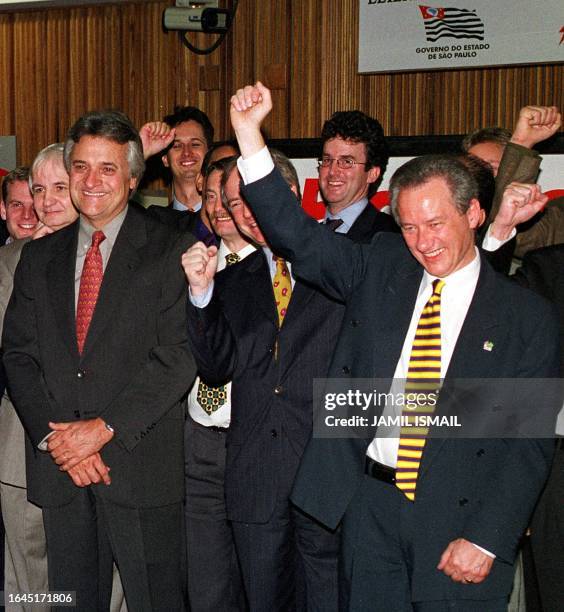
(135, 367)
(481, 490)
(369, 222)
(271, 417)
(183, 221)
(517, 164)
(543, 272)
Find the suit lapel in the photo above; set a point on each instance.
(401, 290)
(122, 265)
(61, 285)
(301, 296)
(256, 282)
(362, 226)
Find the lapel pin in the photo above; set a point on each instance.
(488, 345)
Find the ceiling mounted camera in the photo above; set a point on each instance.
(197, 17)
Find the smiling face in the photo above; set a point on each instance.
(51, 195)
(341, 188)
(18, 210)
(185, 156)
(241, 213)
(100, 182)
(437, 234)
(220, 219)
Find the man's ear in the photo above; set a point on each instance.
(200, 183)
(2, 210)
(133, 183)
(373, 174)
(164, 159)
(475, 214)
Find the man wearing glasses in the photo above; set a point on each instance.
(354, 158)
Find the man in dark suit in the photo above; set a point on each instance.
(448, 540)
(351, 167)
(209, 537)
(271, 353)
(97, 360)
(543, 272)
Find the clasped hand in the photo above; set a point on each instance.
(75, 449)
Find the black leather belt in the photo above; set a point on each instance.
(221, 430)
(378, 470)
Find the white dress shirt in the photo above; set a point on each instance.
(222, 416)
(455, 299)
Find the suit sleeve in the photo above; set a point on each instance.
(517, 164)
(169, 370)
(326, 260)
(212, 341)
(516, 484)
(21, 356)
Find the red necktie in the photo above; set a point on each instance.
(90, 281)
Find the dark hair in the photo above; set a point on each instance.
(356, 126)
(287, 170)
(482, 173)
(21, 173)
(497, 135)
(112, 125)
(219, 165)
(182, 114)
(420, 170)
(284, 165)
(212, 150)
(229, 165)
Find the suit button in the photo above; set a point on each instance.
(80, 374)
(345, 370)
(480, 452)
(462, 501)
(355, 322)
(277, 390)
(77, 414)
(273, 433)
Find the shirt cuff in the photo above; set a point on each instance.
(491, 243)
(201, 301)
(486, 552)
(42, 446)
(256, 166)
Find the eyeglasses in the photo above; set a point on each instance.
(344, 163)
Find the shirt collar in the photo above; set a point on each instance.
(111, 229)
(177, 205)
(466, 276)
(224, 250)
(349, 214)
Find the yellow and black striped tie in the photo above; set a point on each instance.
(423, 379)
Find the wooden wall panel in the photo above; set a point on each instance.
(58, 63)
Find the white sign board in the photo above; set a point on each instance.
(551, 181)
(399, 35)
(7, 154)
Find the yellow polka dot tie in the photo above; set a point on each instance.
(423, 379)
